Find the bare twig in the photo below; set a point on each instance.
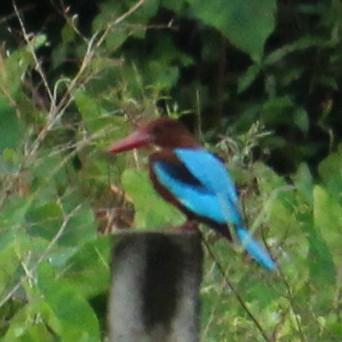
(57, 110)
(38, 65)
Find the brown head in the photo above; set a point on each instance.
(163, 132)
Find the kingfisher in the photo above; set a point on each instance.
(195, 181)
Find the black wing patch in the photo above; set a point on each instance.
(180, 173)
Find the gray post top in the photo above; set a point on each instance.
(156, 279)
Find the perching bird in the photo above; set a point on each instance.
(194, 180)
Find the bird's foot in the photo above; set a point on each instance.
(189, 225)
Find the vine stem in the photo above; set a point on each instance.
(236, 293)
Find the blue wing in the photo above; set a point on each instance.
(209, 170)
(202, 194)
(196, 198)
(202, 185)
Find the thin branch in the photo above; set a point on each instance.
(119, 20)
(38, 65)
(57, 110)
(292, 301)
(233, 289)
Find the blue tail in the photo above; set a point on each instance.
(255, 249)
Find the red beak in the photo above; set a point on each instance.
(135, 140)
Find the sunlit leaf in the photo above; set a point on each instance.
(75, 321)
(304, 182)
(151, 210)
(89, 268)
(330, 170)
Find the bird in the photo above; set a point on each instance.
(195, 181)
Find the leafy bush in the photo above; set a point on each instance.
(60, 193)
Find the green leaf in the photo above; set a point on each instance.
(10, 127)
(44, 220)
(302, 43)
(277, 110)
(327, 214)
(301, 119)
(268, 179)
(12, 215)
(330, 171)
(49, 176)
(248, 77)
(108, 12)
(80, 228)
(92, 113)
(72, 318)
(25, 327)
(247, 24)
(162, 69)
(176, 5)
(15, 65)
(304, 182)
(117, 37)
(76, 318)
(95, 117)
(68, 34)
(38, 41)
(47, 220)
(88, 270)
(10, 161)
(161, 77)
(321, 266)
(151, 210)
(145, 12)
(10, 269)
(261, 292)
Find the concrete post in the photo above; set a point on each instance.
(155, 287)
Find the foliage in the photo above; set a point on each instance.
(60, 193)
